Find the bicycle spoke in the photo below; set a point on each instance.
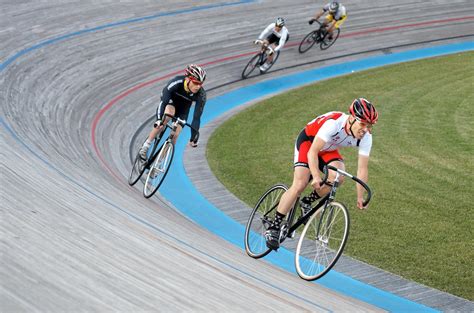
(259, 221)
(322, 241)
(158, 170)
(251, 65)
(308, 41)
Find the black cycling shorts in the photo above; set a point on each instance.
(181, 111)
(272, 38)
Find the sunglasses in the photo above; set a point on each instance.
(195, 82)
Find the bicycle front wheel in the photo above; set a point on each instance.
(326, 43)
(308, 41)
(259, 221)
(253, 63)
(275, 58)
(159, 169)
(322, 241)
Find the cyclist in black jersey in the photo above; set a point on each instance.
(176, 100)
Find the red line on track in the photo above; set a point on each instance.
(116, 99)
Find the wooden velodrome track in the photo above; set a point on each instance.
(75, 236)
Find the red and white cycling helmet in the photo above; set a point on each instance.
(364, 111)
(196, 73)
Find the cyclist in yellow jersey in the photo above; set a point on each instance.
(335, 16)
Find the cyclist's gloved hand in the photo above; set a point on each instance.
(258, 41)
(311, 21)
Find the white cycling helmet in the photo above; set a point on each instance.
(195, 73)
(333, 7)
(280, 22)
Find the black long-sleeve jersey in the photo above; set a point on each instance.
(174, 94)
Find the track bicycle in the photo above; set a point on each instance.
(319, 36)
(159, 158)
(324, 235)
(259, 59)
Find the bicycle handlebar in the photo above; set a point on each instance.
(180, 122)
(268, 48)
(354, 178)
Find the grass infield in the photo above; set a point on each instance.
(419, 224)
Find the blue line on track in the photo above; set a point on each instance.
(54, 40)
(133, 216)
(198, 208)
(182, 193)
(153, 227)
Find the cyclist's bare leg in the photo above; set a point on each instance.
(300, 181)
(270, 57)
(169, 109)
(332, 176)
(264, 45)
(176, 134)
(331, 28)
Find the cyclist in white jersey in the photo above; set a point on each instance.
(316, 146)
(273, 33)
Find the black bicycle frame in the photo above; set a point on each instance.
(156, 150)
(324, 200)
(303, 219)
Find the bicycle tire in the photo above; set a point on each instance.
(325, 44)
(138, 168)
(251, 65)
(161, 164)
(259, 221)
(308, 41)
(137, 171)
(315, 255)
(275, 58)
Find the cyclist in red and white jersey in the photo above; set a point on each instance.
(318, 145)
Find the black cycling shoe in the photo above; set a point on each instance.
(272, 237)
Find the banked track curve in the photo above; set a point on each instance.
(74, 238)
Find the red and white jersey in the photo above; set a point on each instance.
(330, 128)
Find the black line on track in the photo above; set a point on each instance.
(344, 56)
(148, 121)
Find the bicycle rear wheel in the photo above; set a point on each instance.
(253, 63)
(308, 41)
(139, 165)
(159, 169)
(322, 241)
(326, 43)
(138, 168)
(259, 221)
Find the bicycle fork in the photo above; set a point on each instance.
(324, 225)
